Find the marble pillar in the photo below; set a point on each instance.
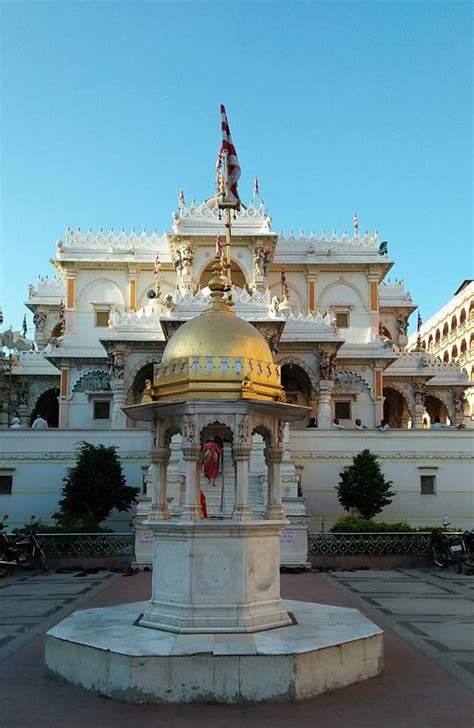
(274, 510)
(159, 510)
(192, 505)
(324, 403)
(242, 511)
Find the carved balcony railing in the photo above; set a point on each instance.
(369, 544)
(67, 545)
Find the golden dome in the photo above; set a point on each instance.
(217, 333)
(217, 355)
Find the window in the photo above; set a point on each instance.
(342, 319)
(342, 410)
(101, 410)
(102, 319)
(427, 483)
(6, 482)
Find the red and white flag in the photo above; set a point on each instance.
(157, 266)
(419, 322)
(232, 161)
(62, 312)
(256, 192)
(219, 246)
(355, 222)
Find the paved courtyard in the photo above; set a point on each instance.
(427, 616)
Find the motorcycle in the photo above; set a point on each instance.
(23, 551)
(467, 555)
(446, 549)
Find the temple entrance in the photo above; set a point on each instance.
(237, 274)
(136, 391)
(47, 406)
(395, 409)
(436, 408)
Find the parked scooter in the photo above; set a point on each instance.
(23, 551)
(446, 549)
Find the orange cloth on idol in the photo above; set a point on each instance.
(212, 454)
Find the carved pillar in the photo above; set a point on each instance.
(373, 280)
(324, 403)
(274, 510)
(159, 472)
(70, 303)
(419, 396)
(378, 391)
(63, 398)
(241, 511)
(192, 503)
(118, 361)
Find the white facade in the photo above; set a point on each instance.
(342, 352)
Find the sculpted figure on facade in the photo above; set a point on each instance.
(419, 393)
(39, 320)
(402, 323)
(244, 432)
(118, 362)
(147, 392)
(326, 365)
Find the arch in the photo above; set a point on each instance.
(167, 289)
(430, 341)
(435, 407)
(472, 373)
(101, 290)
(347, 382)
(471, 309)
(133, 371)
(454, 323)
(47, 405)
(384, 331)
(295, 297)
(437, 336)
(462, 316)
(340, 295)
(463, 348)
(265, 433)
(396, 408)
(295, 361)
(423, 344)
(445, 329)
(215, 429)
(135, 390)
(297, 384)
(97, 380)
(238, 275)
(471, 342)
(446, 357)
(454, 352)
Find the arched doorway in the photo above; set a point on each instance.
(47, 406)
(136, 390)
(237, 274)
(436, 408)
(395, 409)
(297, 386)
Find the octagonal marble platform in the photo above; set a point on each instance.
(105, 651)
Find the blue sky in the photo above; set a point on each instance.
(108, 108)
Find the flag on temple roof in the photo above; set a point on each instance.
(256, 192)
(355, 222)
(419, 322)
(157, 265)
(181, 200)
(283, 275)
(62, 311)
(25, 326)
(232, 161)
(219, 246)
(1, 316)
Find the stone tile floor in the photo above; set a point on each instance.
(427, 638)
(431, 608)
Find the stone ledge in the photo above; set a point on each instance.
(104, 651)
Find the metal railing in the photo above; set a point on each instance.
(64, 545)
(369, 544)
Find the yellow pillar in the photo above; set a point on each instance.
(63, 398)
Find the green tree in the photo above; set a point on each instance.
(93, 487)
(363, 486)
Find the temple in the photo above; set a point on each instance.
(335, 324)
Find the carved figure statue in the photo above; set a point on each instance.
(169, 303)
(402, 322)
(178, 263)
(326, 365)
(39, 320)
(257, 271)
(147, 392)
(22, 394)
(118, 365)
(244, 431)
(266, 263)
(383, 248)
(419, 394)
(274, 306)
